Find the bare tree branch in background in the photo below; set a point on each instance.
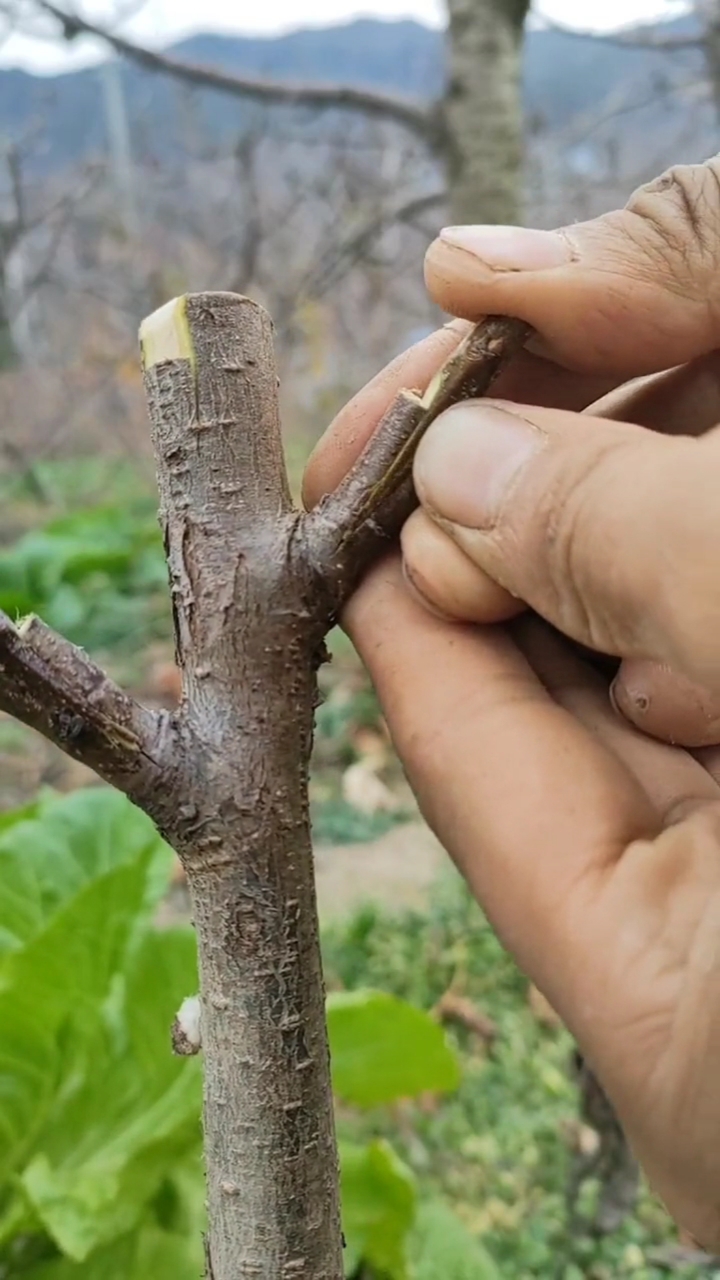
(384, 106)
(483, 164)
(705, 41)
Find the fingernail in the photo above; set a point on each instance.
(511, 248)
(468, 461)
(629, 704)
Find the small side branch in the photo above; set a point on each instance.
(54, 687)
(349, 527)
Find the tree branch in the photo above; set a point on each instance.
(324, 274)
(54, 687)
(383, 106)
(349, 527)
(254, 585)
(249, 622)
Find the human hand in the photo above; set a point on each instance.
(595, 851)
(661, 619)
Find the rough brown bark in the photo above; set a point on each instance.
(255, 586)
(55, 688)
(482, 110)
(248, 643)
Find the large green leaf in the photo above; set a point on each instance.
(73, 839)
(64, 843)
(84, 1205)
(21, 905)
(60, 978)
(161, 1256)
(148, 1255)
(29, 1066)
(12, 816)
(441, 1248)
(383, 1049)
(106, 1150)
(95, 1112)
(69, 965)
(378, 1208)
(113, 1263)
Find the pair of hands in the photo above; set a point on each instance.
(593, 848)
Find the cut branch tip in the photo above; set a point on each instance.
(165, 335)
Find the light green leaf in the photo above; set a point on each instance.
(383, 1048)
(107, 1149)
(161, 1256)
(57, 984)
(114, 1263)
(149, 1255)
(71, 962)
(441, 1248)
(11, 817)
(378, 1208)
(64, 843)
(104, 1197)
(29, 1064)
(21, 906)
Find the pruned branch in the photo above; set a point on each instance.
(349, 527)
(54, 687)
(383, 106)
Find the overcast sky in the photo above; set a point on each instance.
(163, 20)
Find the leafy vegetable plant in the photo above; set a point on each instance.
(100, 1157)
(97, 575)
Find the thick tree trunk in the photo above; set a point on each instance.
(255, 587)
(249, 640)
(482, 112)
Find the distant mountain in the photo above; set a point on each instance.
(565, 76)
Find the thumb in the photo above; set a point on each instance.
(607, 530)
(632, 292)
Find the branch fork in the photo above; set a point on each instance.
(255, 587)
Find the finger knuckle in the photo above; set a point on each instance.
(675, 217)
